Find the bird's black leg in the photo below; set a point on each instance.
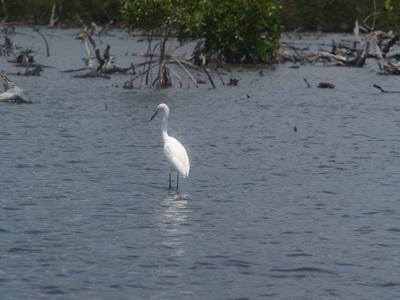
(177, 181)
(169, 179)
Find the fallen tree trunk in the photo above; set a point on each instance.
(389, 68)
(340, 60)
(12, 92)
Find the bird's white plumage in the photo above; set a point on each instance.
(176, 156)
(174, 151)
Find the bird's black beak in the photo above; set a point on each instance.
(155, 114)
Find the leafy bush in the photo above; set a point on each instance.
(339, 15)
(67, 11)
(238, 31)
(146, 14)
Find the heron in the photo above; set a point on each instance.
(174, 151)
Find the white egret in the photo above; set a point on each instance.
(174, 151)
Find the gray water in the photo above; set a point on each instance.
(266, 212)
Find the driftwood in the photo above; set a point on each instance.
(377, 45)
(35, 71)
(105, 61)
(12, 92)
(24, 57)
(389, 68)
(8, 47)
(391, 43)
(333, 59)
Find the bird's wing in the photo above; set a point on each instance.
(177, 156)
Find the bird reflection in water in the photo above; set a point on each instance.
(173, 221)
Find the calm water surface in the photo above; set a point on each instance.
(266, 212)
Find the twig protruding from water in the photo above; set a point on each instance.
(384, 91)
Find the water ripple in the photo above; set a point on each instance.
(306, 270)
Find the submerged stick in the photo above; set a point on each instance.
(383, 91)
(145, 72)
(209, 77)
(45, 41)
(220, 77)
(308, 85)
(177, 76)
(150, 61)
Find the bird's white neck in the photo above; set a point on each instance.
(165, 128)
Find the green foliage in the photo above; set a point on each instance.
(67, 11)
(239, 31)
(197, 15)
(147, 14)
(28, 11)
(339, 15)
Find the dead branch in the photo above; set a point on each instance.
(129, 83)
(89, 60)
(45, 41)
(8, 47)
(181, 65)
(74, 70)
(308, 85)
(220, 77)
(209, 77)
(177, 76)
(24, 57)
(33, 72)
(359, 61)
(53, 19)
(389, 68)
(105, 61)
(390, 44)
(384, 91)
